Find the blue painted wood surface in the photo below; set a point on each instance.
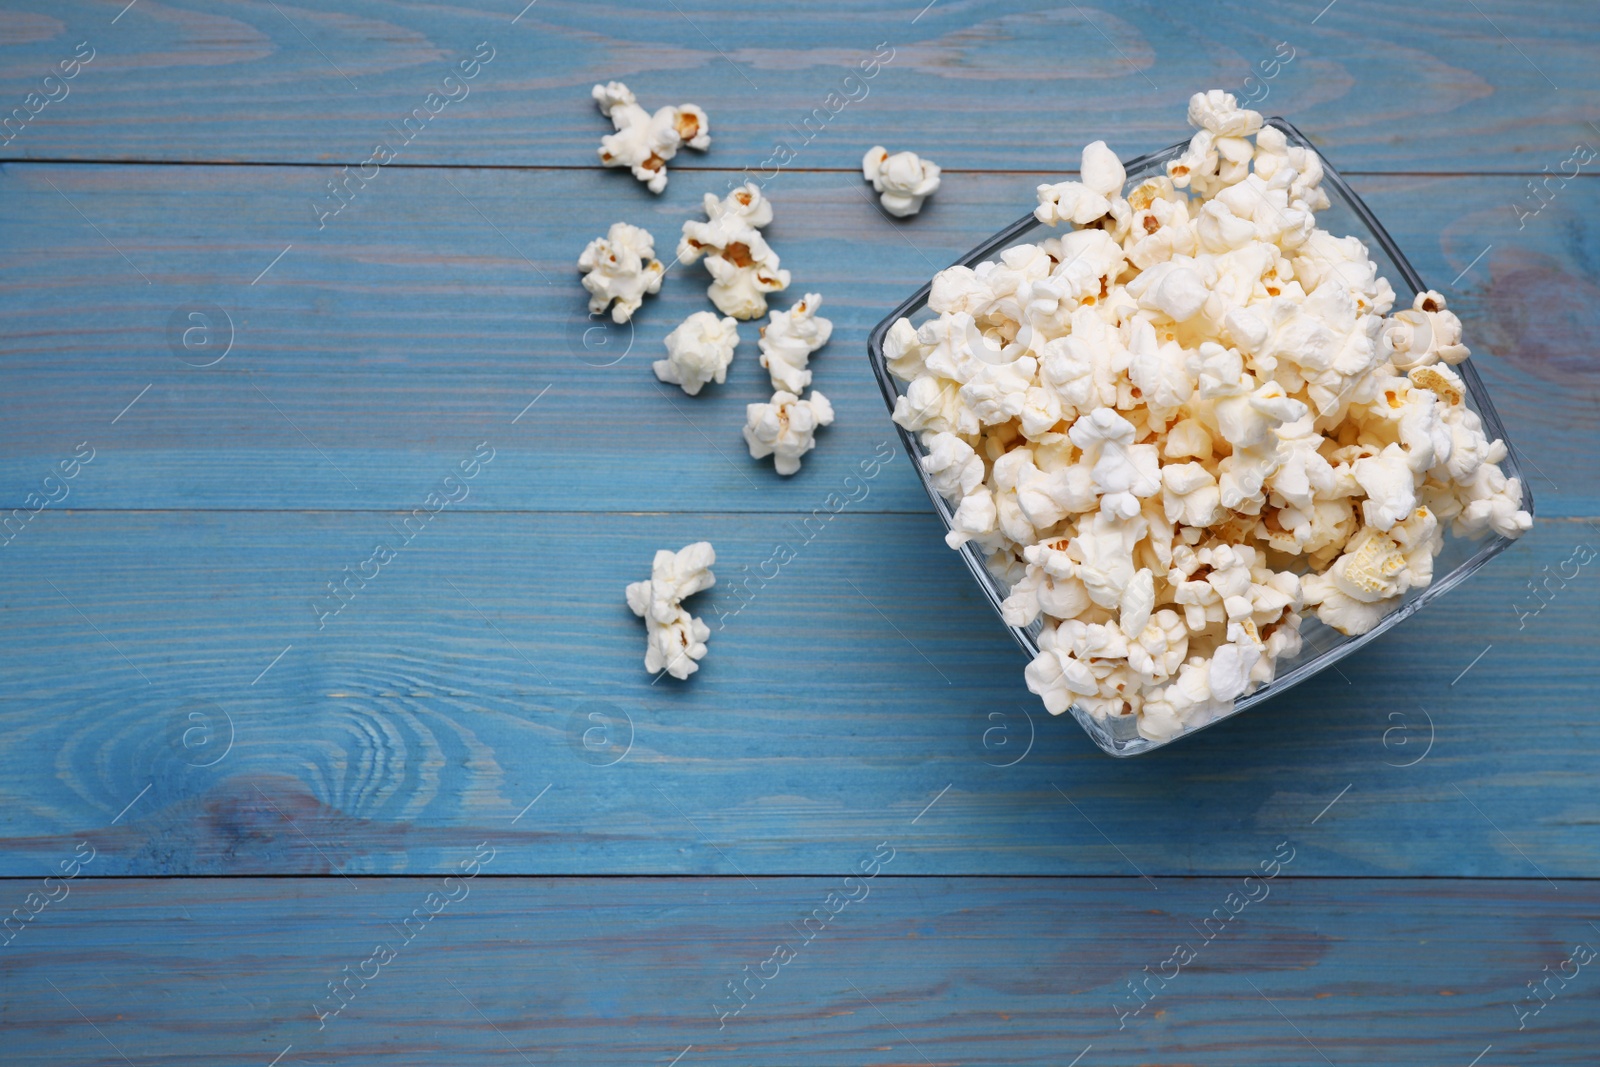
(170, 702)
(373, 355)
(914, 971)
(858, 681)
(1431, 86)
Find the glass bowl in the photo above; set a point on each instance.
(1322, 645)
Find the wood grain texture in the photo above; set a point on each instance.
(839, 698)
(927, 971)
(169, 699)
(1433, 86)
(375, 354)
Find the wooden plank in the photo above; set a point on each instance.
(922, 970)
(1433, 86)
(371, 357)
(172, 665)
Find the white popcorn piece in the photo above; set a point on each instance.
(1366, 582)
(1101, 170)
(1275, 155)
(1173, 288)
(1387, 480)
(1057, 676)
(1159, 650)
(1197, 165)
(1072, 202)
(1137, 603)
(1097, 195)
(1423, 335)
(955, 469)
(675, 640)
(1189, 421)
(1189, 494)
(789, 338)
(698, 352)
(676, 646)
(785, 428)
(1443, 382)
(1121, 471)
(934, 404)
(998, 392)
(903, 180)
(674, 577)
(1495, 504)
(620, 267)
(743, 268)
(1218, 113)
(644, 142)
(1049, 584)
(976, 519)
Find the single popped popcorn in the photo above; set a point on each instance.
(903, 181)
(675, 640)
(785, 428)
(644, 142)
(743, 268)
(698, 352)
(789, 338)
(620, 267)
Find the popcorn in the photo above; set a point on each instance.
(1102, 171)
(1387, 480)
(1220, 114)
(675, 640)
(786, 427)
(1190, 495)
(698, 352)
(743, 269)
(621, 267)
(1083, 202)
(1184, 427)
(644, 142)
(1424, 335)
(676, 646)
(903, 180)
(955, 468)
(1071, 202)
(1367, 581)
(788, 340)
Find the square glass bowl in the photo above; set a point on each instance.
(1322, 646)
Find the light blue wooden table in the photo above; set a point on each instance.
(461, 800)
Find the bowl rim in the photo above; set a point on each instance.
(1101, 732)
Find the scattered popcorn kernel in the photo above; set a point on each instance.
(1190, 421)
(644, 142)
(789, 338)
(743, 269)
(675, 640)
(621, 267)
(785, 428)
(698, 352)
(903, 180)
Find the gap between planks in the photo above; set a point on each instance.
(68, 161)
(623, 876)
(1588, 520)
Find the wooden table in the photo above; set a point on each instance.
(461, 800)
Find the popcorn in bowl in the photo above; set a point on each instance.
(1188, 428)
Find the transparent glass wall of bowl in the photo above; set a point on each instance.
(1323, 646)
